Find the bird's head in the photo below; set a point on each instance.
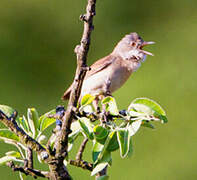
(131, 47)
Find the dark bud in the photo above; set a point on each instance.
(123, 112)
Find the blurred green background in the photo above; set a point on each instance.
(37, 63)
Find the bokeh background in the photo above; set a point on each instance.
(37, 63)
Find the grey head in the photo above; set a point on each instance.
(130, 47)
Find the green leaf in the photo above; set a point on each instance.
(45, 121)
(100, 154)
(134, 127)
(124, 142)
(13, 154)
(70, 145)
(113, 143)
(99, 167)
(6, 159)
(105, 177)
(6, 134)
(32, 117)
(130, 148)
(24, 124)
(103, 153)
(111, 105)
(152, 105)
(8, 111)
(76, 129)
(87, 99)
(87, 127)
(97, 148)
(100, 133)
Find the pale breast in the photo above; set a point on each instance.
(117, 72)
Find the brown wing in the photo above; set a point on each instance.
(100, 65)
(96, 67)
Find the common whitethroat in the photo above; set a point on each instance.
(113, 70)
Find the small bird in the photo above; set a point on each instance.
(109, 73)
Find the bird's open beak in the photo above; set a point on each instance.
(145, 43)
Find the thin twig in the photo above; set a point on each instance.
(81, 149)
(24, 138)
(30, 158)
(28, 171)
(82, 164)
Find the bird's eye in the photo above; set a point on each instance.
(133, 44)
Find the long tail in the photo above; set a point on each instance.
(66, 95)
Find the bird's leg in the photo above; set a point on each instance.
(95, 105)
(107, 91)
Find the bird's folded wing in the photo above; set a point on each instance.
(100, 65)
(96, 67)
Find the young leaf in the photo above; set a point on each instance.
(130, 148)
(87, 99)
(97, 148)
(6, 159)
(100, 133)
(104, 154)
(113, 143)
(155, 107)
(105, 158)
(111, 105)
(99, 167)
(45, 121)
(70, 145)
(32, 117)
(6, 134)
(134, 127)
(13, 154)
(124, 141)
(87, 127)
(76, 129)
(24, 124)
(8, 111)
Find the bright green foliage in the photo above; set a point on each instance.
(87, 127)
(45, 121)
(111, 105)
(33, 125)
(8, 111)
(6, 134)
(106, 136)
(124, 142)
(100, 133)
(87, 99)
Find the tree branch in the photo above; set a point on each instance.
(28, 171)
(30, 158)
(82, 164)
(56, 168)
(81, 149)
(24, 138)
(81, 52)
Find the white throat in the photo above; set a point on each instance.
(139, 56)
